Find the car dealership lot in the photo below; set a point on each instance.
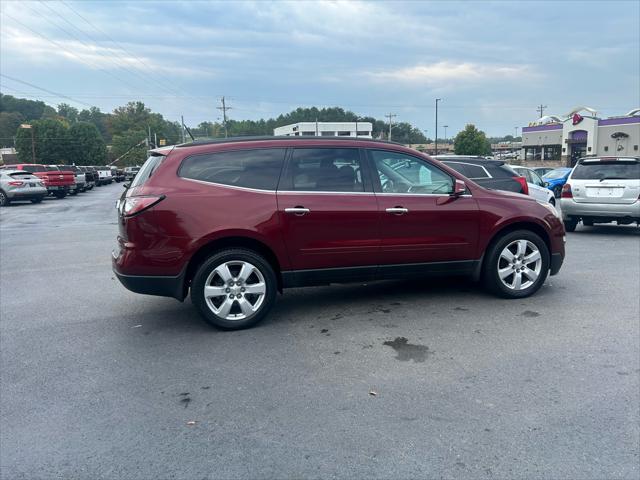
(391, 379)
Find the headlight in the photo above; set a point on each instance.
(551, 208)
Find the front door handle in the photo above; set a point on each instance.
(397, 210)
(297, 210)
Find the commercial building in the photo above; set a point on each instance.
(580, 133)
(326, 129)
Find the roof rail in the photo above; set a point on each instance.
(271, 138)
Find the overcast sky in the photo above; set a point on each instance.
(492, 63)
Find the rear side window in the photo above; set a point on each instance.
(259, 169)
(502, 171)
(476, 171)
(326, 170)
(613, 170)
(146, 171)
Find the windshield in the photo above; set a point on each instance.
(607, 170)
(557, 173)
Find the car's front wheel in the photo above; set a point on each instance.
(60, 194)
(234, 289)
(37, 200)
(570, 224)
(516, 265)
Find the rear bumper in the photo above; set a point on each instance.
(607, 210)
(162, 286)
(26, 193)
(56, 188)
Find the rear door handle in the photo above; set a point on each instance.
(297, 210)
(397, 210)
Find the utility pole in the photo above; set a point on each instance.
(390, 116)
(516, 132)
(540, 109)
(182, 123)
(445, 132)
(436, 146)
(149, 137)
(224, 109)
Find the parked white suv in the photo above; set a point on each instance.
(602, 190)
(537, 186)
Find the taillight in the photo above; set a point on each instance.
(566, 191)
(134, 205)
(523, 181)
(16, 184)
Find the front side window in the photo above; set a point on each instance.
(400, 173)
(259, 169)
(326, 170)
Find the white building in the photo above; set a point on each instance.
(325, 129)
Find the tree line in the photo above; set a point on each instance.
(66, 135)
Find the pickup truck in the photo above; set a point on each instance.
(81, 182)
(104, 176)
(58, 183)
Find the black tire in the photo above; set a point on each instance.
(60, 194)
(73, 192)
(4, 200)
(36, 200)
(490, 277)
(587, 222)
(570, 225)
(230, 255)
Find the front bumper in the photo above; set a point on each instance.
(570, 208)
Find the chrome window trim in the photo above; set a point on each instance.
(234, 187)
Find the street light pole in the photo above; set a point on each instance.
(445, 132)
(436, 139)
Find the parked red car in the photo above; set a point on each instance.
(58, 183)
(237, 220)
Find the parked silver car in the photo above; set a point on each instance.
(20, 185)
(602, 190)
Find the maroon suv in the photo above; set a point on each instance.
(237, 220)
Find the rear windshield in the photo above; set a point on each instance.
(147, 170)
(607, 170)
(557, 173)
(23, 176)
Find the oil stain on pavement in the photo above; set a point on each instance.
(408, 351)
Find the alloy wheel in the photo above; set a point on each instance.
(519, 265)
(235, 290)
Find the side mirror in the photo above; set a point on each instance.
(459, 188)
(545, 184)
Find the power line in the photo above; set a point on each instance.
(69, 51)
(114, 42)
(59, 95)
(116, 63)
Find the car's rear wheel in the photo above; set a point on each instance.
(73, 192)
(587, 222)
(36, 200)
(234, 289)
(60, 194)
(516, 265)
(4, 200)
(570, 224)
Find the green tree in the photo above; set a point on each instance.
(124, 142)
(9, 123)
(99, 119)
(471, 141)
(86, 145)
(29, 109)
(52, 142)
(68, 112)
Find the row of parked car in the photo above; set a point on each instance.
(595, 190)
(33, 182)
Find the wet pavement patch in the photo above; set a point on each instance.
(530, 314)
(408, 351)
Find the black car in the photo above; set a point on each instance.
(494, 174)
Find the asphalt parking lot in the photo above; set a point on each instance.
(98, 382)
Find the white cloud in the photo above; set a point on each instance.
(446, 72)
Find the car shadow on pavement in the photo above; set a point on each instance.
(611, 230)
